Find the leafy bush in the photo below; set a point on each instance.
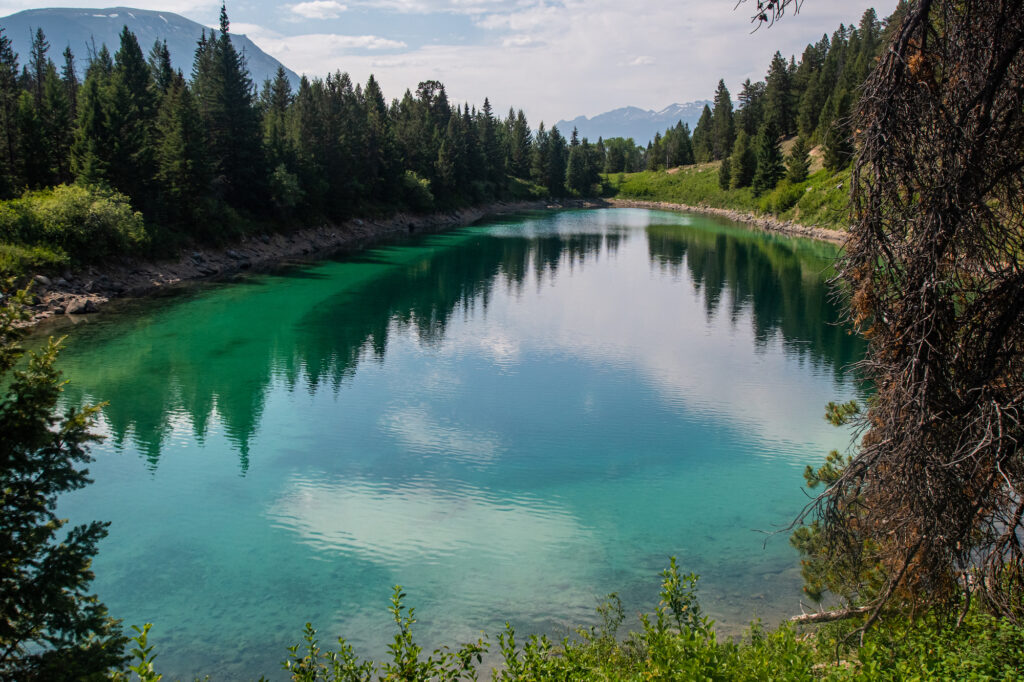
(417, 192)
(19, 261)
(87, 224)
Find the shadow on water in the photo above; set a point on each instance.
(213, 356)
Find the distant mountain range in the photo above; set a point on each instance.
(634, 122)
(81, 28)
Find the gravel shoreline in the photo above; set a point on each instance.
(760, 222)
(87, 290)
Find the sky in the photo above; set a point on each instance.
(555, 59)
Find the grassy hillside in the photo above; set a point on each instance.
(821, 200)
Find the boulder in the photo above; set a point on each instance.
(43, 279)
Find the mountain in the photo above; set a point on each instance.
(634, 122)
(80, 28)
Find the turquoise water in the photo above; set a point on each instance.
(511, 420)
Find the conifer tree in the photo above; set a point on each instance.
(778, 104)
(724, 174)
(53, 629)
(799, 162)
(751, 110)
(702, 143)
(10, 159)
(224, 95)
(743, 162)
(38, 62)
(837, 148)
(769, 169)
(160, 70)
(91, 150)
(182, 168)
(70, 79)
(56, 125)
(131, 116)
(557, 156)
(723, 130)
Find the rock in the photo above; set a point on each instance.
(231, 253)
(265, 239)
(43, 279)
(80, 306)
(62, 282)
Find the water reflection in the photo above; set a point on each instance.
(212, 359)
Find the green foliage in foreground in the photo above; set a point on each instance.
(67, 224)
(676, 642)
(51, 628)
(822, 199)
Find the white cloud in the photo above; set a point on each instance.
(644, 60)
(518, 40)
(319, 9)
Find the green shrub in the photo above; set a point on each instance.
(20, 261)
(416, 191)
(87, 224)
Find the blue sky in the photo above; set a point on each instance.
(554, 58)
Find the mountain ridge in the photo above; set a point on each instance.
(630, 121)
(85, 29)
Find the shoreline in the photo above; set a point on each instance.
(86, 291)
(767, 224)
(78, 293)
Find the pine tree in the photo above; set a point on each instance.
(70, 79)
(56, 122)
(799, 162)
(576, 176)
(702, 149)
(769, 168)
(37, 65)
(224, 95)
(743, 162)
(724, 174)
(751, 111)
(182, 168)
(10, 157)
(52, 627)
(91, 150)
(778, 103)
(837, 148)
(160, 70)
(557, 157)
(131, 116)
(723, 129)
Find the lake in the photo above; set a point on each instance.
(511, 420)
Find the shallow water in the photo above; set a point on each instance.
(510, 420)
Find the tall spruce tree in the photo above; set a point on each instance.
(702, 140)
(224, 94)
(743, 162)
(799, 161)
(770, 168)
(182, 168)
(70, 80)
(723, 129)
(10, 158)
(778, 97)
(132, 115)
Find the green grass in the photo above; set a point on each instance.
(822, 200)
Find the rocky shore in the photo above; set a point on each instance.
(85, 291)
(760, 222)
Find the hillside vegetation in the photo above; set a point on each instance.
(822, 200)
